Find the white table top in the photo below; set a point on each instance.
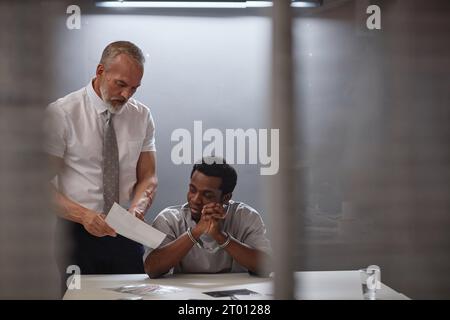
(336, 285)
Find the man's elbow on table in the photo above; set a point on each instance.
(152, 275)
(264, 266)
(151, 267)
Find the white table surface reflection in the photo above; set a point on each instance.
(312, 285)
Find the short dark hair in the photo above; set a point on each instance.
(217, 167)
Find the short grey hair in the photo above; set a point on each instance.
(113, 49)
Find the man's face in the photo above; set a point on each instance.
(203, 190)
(119, 80)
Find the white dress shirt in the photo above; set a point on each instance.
(74, 129)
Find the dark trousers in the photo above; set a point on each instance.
(95, 255)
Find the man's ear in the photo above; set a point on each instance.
(100, 70)
(227, 197)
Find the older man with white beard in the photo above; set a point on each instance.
(102, 142)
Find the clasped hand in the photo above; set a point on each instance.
(212, 214)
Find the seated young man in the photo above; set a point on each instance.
(210, 233)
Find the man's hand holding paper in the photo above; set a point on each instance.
(133, 228)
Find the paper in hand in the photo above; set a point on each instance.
(127, 225)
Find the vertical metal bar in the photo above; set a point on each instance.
(282, 209)
(27, 268)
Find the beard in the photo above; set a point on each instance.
(114, 104)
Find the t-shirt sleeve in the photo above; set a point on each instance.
(149, 141)
(256, 234)
(55, 130)
(165, 223)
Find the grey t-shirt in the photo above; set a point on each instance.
(242, 222)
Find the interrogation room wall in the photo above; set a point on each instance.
(373, 106)
(370, 104)
(211, 66)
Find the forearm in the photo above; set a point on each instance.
(146, 186)
(249, 258)
(160, 260)
(92, 221)
(147, 180)
(67, 208)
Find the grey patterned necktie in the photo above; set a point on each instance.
(110, 165)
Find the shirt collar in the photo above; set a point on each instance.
(99, 105)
